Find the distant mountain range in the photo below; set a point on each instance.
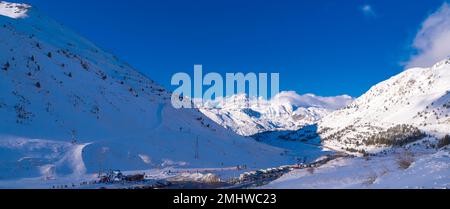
(287, 111)
(409, 107)
(406, 108)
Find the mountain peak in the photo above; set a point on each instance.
(14, 10)
(285, 111)
(441, 63)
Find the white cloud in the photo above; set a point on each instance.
(289, 98)
(367, 10)
(311, 100)
(432, 42)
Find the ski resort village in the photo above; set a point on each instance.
(75, 116)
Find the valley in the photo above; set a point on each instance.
(75, 116)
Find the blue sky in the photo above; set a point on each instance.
(318, 46)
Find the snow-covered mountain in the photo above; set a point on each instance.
(404, 122)
(286, 111)
(400, 110)
(68, 107)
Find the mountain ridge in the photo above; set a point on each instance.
(417, 97)
(285, 111)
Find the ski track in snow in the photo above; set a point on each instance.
(159, 116)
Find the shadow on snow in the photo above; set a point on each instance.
(304, 145)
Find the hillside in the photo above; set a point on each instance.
(403, 109)
(67, 107)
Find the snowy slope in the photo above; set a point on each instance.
(418, 97)
(68, 108)
(286, 111)
(428, 170)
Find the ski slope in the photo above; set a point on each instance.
(69, 108)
